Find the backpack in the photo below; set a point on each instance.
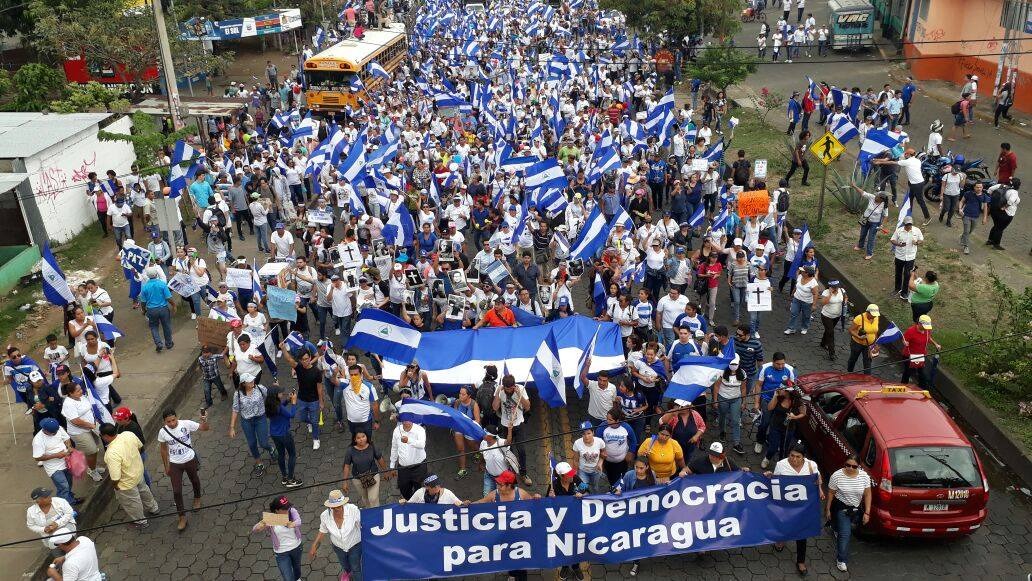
(998, 199)
(783, 200)
(742, 171)
(955, 108)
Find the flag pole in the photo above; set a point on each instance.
(10, 412)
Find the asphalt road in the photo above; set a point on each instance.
(218, 543)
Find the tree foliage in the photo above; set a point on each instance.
(722, 66)
(147, 139)
(91, 97)
(680, 18)
(32, 87)
(115, 32)
(223, 9)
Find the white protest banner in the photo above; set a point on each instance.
(272, 268)
(320, 216)
(758, 297)
(238, 278)
(700, 164)
(183, 285)
(760, 168)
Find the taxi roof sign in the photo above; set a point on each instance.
(827, 149)
(893, 390)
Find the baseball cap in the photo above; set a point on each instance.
(564, 469)
(49, 425)
(431, 480)
(62, 369)
(873, 309)
(279, 225)
(35, 376)
(507, 477)
(737, 242)
(586, 425)
(246, 377)
(925, 321)
(122, 414)
(908, 220)
(41, 492)
(716, 448)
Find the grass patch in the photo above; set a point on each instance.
(81, 252)
(967, 306)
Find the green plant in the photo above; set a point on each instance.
(147, 139)
(33, 86)
(843, 191)
(90, 97)
(722, 66)
(768, 101)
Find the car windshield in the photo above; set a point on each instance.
(935, 467)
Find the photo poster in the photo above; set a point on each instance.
(458, 280)
(380, 248)
(350, 280)
(757, 298)
(182, 284)
(456, 307)
(383, 264)
(473, 277)
(238, 278)
(410, 302)
(577, 267)
(447, 253)
(545, 296)
(437, 289)
(413, 279)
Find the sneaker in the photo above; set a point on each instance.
(95, 475)
(967, 250)
(170, 346)
(285, 482)
(193, 316)
(258, 471)
(158, 348)
(634, 570)
(765, 463)
(738, 449)
(564, 573)
(340, 426)
(296, 483)
(102, 469)
(315, 444)
(803, 332)
(527, 481)
(462, 473)
(926, 222)
(841, 566)
(756, 335)
(758, 448)
(789, 331)
(309, 428)
(336, 331)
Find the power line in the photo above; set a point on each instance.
(456, 456)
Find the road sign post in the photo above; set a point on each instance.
(826, 149)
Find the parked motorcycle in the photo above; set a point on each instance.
(933, 168)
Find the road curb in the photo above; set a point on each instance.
(948, 387)
(99, 501)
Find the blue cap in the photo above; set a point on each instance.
(50, 425)
(586, 425)
(279, 225)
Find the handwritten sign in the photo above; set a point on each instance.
(754, 203)
(272, 269)
(183, 285)
(760, 168)
(320, 216)
(281, 303)
(700, 164)
(212, 332)
(238, 278)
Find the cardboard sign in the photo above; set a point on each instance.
(238, 278)
(760, 168)
(754, 203)
(212, 332)
(320, 217)
(271, 269)
(183, 285)
(273, 519)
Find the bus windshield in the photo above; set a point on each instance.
(328, 80)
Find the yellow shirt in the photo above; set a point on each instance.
(866, 327)
(124, 461)
(662, 457)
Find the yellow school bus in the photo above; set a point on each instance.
(328, 75)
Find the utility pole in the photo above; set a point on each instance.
(167, 69)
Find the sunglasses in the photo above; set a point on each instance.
(852, 466)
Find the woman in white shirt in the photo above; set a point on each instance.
(286, 539)
(849, 502)
(98, 353)
(803, 298)
(341, 521)
(833, 300)
(256, 324)
(796, 464)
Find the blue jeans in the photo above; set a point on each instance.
(195, 303)
(868, 232)
(761, 432)
(754, 321)
(208, 383)
(256, 431)
(121, 233)
(62, 480)
(843, 524)
(334, 395)
(321, 314)
(800, 315)
(737, 300)
(343, 324)
(592, 479)
(308, 412)
(489, 483)
(262, 233)
(730, 409)
(667, 336)
(286, 454)
(289, 564)
(160, 316)
(350, 560)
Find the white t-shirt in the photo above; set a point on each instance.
(80, 563)
(833, 309)
(669, 309)
(803, 290)
(349, 533)
(494, 460)
(357, 405)
(181, 451)
(588, 454)
(783, 468)
(43, 444)
(912, 167)
(244, 364)
(120, 216)
(510, 405)
(934, 143)
(600, 401)
(284, 245)
(73, 409)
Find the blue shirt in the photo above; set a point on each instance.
(908, 91)
(19, 373)
(610, 203)
(973, 203)
(794, 109)
(694, 323)
(771, 379)
(201, 191)
(657, 172)
(279, 424)
(679, 350)
(155, 294)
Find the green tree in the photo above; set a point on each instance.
(147, 139)
(680, 18)
(92, 96)
(15, 19)
(223, 9)
(115, 33)
(722, 66)
(5, 83)
(33, 86)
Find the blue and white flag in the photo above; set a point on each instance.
(592, 236)
(318, 38)
(307, 129)
(905, 209)
(598, 295)
(622, 217)
(584, 362)
(356, 84)
(602, 161)
(515, 164)
(100, 412)
(876, 142)
(891, 334)
(179, 175)
(107, 329)
(295, 340)
(547, 371)
(431, 413)
(55, 285)
(376, 70)
(695, 376)
(700, 214)
(721, 219)
(399, 229)
(844, 131)
(715, 152)
(545, 174)
(525, 318)
(804, 243)
(849, 102)
(657, 115)
(380, 332)
(256, 287)
(353, 166)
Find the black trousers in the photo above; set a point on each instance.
(806, 170)
(828, 340)
(241, 216)
(410, 479)
(1000, 222)
(917, 194)
(902, 279)
(614, 471)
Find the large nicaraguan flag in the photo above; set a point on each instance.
(380, 332)
(434, 414)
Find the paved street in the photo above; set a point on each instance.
(217, 543)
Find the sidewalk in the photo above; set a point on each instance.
(148, 381)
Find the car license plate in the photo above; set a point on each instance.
(936, 507)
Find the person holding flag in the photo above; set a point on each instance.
(84, 416)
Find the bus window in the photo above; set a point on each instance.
(328, 80)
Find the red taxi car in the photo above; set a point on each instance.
(928, 481)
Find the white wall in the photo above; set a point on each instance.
(58, 177)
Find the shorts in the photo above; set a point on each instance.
(87, 442)
(959, 120)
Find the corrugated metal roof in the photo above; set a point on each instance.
(11, 180)
(26, 134)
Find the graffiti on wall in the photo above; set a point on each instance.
(51, 181)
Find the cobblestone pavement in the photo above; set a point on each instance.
(218, 544)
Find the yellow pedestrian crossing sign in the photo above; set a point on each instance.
(827, 149)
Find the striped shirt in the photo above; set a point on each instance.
(849, 490)
(750, 352)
